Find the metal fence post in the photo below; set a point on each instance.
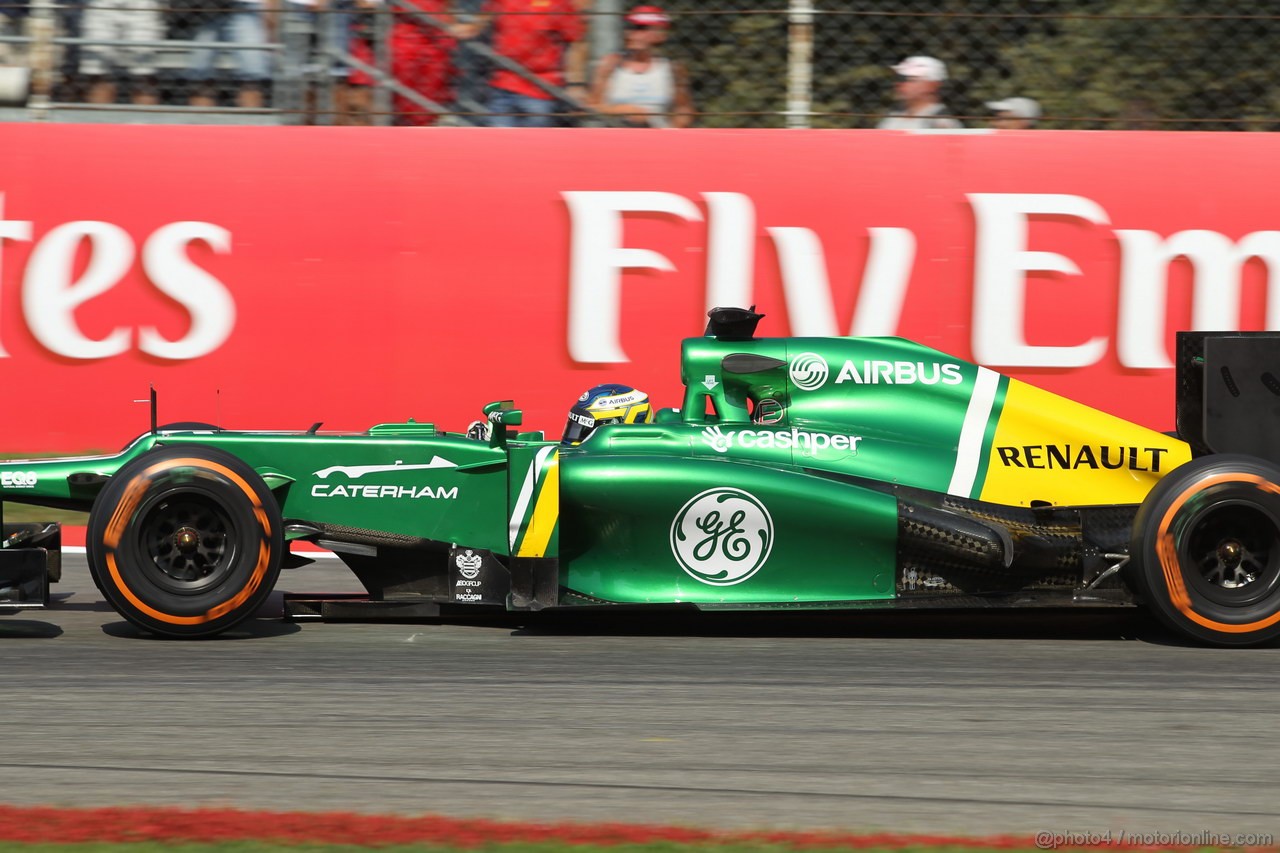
(800, 64)
(606, 29)
(288, 87)
(42, 28)
(382, 59)
(604, 36)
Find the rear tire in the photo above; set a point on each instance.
(185, 541)
(1206, 550)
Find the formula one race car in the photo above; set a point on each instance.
(819, 473)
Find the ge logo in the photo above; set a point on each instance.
(722, 536)
(808, 371)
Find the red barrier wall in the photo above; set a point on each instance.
(273, 277)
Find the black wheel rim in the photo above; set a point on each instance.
(1231, 553)
(186, 542)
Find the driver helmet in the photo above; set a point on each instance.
(610, 403)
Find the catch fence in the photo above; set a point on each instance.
(1088, 64)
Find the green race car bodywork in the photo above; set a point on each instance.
(797, 473)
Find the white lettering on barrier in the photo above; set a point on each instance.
(1001, 262)
(51, 296)
(1215, 301)
(807, 289)
(10, 230)
(207, 300)
(884, 282)
(597, 258)
(731, 255)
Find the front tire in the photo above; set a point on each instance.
(185, 541)
(1206, 550)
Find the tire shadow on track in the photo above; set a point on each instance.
(84, 607)
(27, 629)
(250, 629)
(1042, 624)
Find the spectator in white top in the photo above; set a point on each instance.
(1014, 113)
(641, 86)
(107, 21)
(920, 79)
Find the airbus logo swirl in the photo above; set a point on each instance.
(809, 371)
(722, 536)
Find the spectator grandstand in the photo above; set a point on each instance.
(1159, 64)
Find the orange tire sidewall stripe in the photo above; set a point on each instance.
(1167, 553)
(124, 510)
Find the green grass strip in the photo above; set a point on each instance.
(22, 513)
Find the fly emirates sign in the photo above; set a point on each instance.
(1003, 259)
(54, 286)
(73, 263)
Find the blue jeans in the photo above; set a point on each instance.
(237, 27)
(512, 110)
(330, 31)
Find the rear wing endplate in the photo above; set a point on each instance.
(1228, 397)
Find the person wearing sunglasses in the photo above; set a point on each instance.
(641, 86)
(916, 89)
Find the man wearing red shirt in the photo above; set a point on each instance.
(546, 37)
(421, 58)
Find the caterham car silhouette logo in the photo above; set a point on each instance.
(809, 371)
(469, 564)
(385, 490)
(722, 536)
(355, 472)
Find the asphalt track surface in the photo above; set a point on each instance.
(973, 724)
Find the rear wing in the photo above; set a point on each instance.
(1228, 397)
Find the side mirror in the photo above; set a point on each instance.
(501, 415)
(506, 417)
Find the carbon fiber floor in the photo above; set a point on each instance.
(916, 722)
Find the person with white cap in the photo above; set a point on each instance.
(641, 86)
(919, 80)
(1014, 113)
